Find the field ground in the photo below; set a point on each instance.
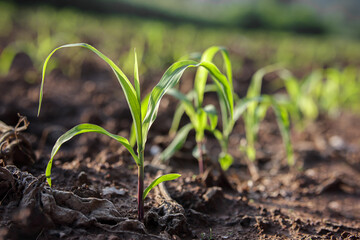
(95, 179)
(317, 199)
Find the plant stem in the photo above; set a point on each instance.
(141, 187)
(253, 170)
(200, 160)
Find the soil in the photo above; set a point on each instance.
(94, 179)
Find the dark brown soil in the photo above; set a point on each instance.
(95, 179)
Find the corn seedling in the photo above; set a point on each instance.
(302, 99)
(339, 90)
(202, 118)
(143, 114)
(321, 91)
(255, 112)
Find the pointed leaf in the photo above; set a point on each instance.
(202, 74)
(85, 128)
(128, 89)
(212, 115)
(168, 80)
(179, 112)
(225, 160)
(163, 178)
(177, 143)
(136, 76)
(143, 105)
(282, 118)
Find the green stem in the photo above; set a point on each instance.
(200, 160)
(141, 186)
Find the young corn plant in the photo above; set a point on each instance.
(203, 117)
(256, 108)
(143, 113)
(303, 96)
(339, 90)
(322, 91)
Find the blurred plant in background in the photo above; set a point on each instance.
(37, 29)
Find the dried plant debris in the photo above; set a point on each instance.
(15, 149)
(29, 208)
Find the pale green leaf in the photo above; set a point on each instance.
(168, 80)
(202, 74)
(157, 181)
(225, 160)
(128, 89)
(85, 128)
(212, 115)
(177, 142)
(136, 77)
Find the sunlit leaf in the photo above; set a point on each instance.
(85, 128)
(128, 89)
(163, 178)
(177, 143)
(225, 160)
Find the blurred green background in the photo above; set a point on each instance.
(301, 35)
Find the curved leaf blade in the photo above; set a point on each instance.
(211, 112)
(157, 181)
(225, 160)
(128, 89)
(177, 143)
(223, 85)
(168, 80)
(202, 74)
(85, 128)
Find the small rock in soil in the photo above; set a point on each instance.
(133, 226)
(113, 191)
(245, 221)
(83, 178)
(262, 225)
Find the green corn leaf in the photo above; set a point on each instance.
(254, 89)
(144, 104)
(201, 74)
(85, 128)
(184, 100)
(293, 88)
(180, 109)
(163, 178)
(200, 124)
(260, 111)
(179, 112)
(283, 121)
(225, 160)
(212, 115)
(256, 81)
(251, 152)
(282, 118)
(223, 85)
(171, 77)
(136, 77)
(128, 89)
(240, 107)
(177, 143)
(168, 80)
(252, 123)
